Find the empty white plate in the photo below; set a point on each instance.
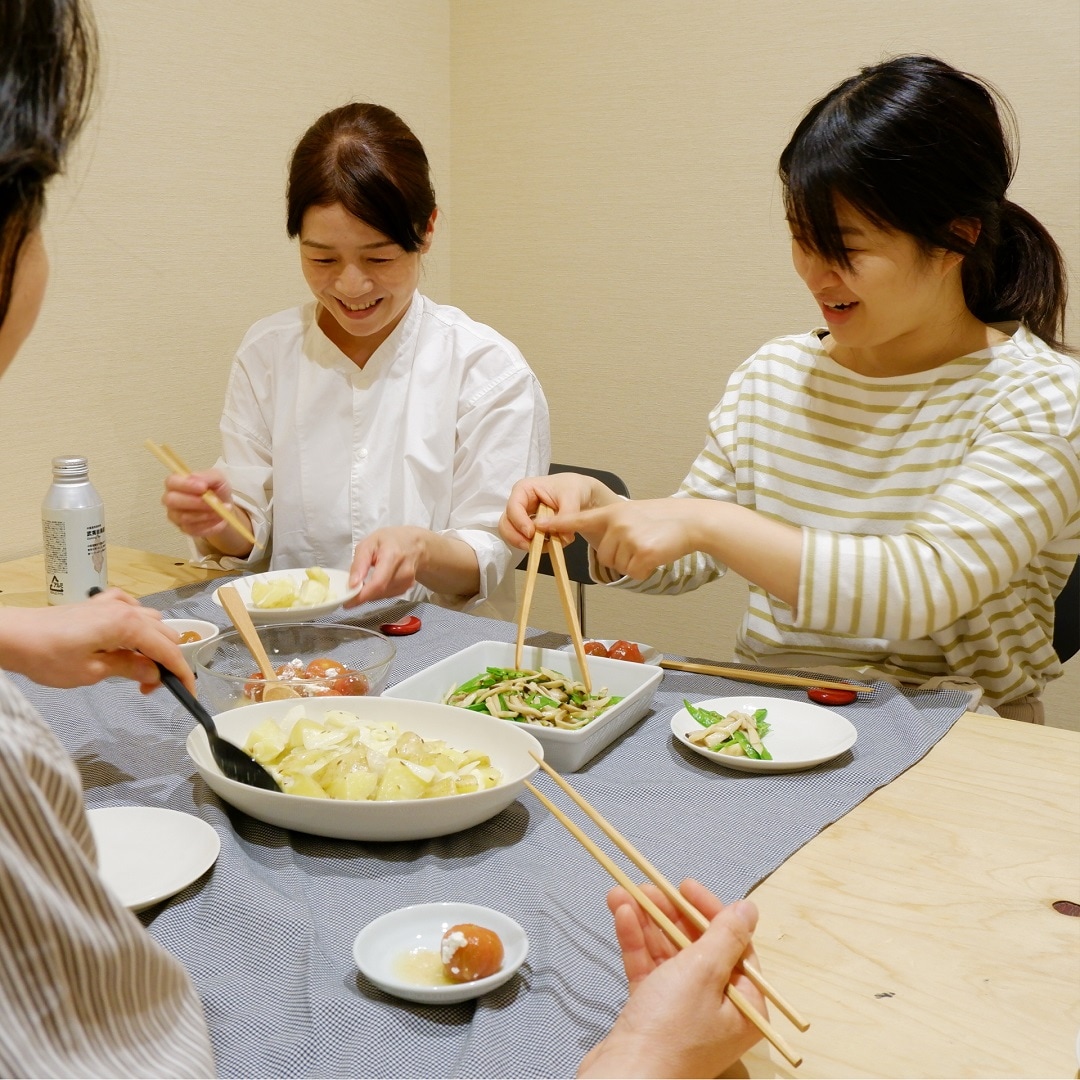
(800, 735)
(390, 951)
(148, 853)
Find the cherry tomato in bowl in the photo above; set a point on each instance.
(323, 667)
(352, 684)
(626, 650)
(471, 952)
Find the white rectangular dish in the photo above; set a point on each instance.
(566, 751)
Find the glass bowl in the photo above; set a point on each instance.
(353, 662)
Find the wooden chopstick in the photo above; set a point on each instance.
(767, 677)
(553, 545)
(566, 595)
(675, 935)
(672, 893)
(173, 463)
(536, 546)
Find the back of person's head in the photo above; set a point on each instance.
(366, 158)
(48, 56)
(916, 146)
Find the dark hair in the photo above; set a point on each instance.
(366, 158)
(917, 146)
(48, 59)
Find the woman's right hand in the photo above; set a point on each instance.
(190, 513)
(81, 644)
(679, 1021)
(564, 492)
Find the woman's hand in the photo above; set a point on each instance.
(392, 560)
(81, 644)
(633, 538)
(566, 493)
(188, 511)
(678, 1021)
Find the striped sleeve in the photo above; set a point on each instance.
(84, 990)
(940, 510)
(1014, 488)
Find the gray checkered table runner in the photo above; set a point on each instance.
(267, 934)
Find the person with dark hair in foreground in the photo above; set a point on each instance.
(372, 428)
(900, 487)
(84, 990)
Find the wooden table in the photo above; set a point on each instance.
(917, 933)
(22, 581)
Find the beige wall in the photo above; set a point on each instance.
(167, 237)
(617, 212)
(606, 170)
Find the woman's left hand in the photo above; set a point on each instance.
(633, 538)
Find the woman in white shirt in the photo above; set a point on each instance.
(372, 427)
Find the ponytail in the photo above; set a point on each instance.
(1016, 272)
(917, 146)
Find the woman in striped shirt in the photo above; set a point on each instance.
(901, 487)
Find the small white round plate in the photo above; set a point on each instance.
(382, 949)
(648, 654)
(339, 593)
(801, 735)
(148, 853)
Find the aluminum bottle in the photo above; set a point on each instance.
(73, 532)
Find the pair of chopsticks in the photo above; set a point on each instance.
(770, 678)
(566, 595)
(172, 461)
(674, 934)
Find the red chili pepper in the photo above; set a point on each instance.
(825, 696)
(407, 625)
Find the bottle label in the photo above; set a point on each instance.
(74, 542)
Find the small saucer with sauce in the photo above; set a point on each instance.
(186, 628)
(400, 951)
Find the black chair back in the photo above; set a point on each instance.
(1067, 617)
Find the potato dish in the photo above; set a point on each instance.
(342, 757)
(280, 592)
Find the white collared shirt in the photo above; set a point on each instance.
(433, 431)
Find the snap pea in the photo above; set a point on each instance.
(707, 718)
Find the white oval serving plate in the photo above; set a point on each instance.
(801, 735)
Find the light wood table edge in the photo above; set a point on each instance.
(140, 573)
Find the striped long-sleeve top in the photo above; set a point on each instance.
(940, 511)
(84, 989)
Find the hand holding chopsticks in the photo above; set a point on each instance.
(674, 934)
(175, 464)
(566, 595)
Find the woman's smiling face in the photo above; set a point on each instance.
(890, 295)
(363, 280)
